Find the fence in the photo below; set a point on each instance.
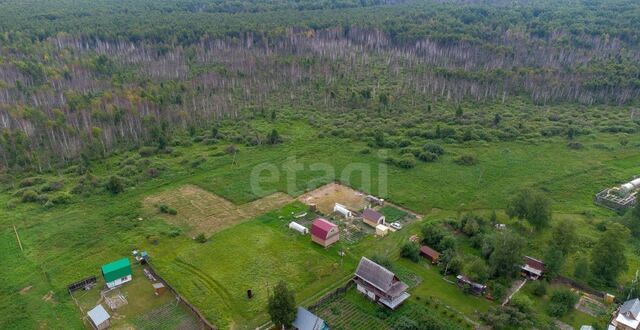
(579, 286)
(332, 294)
(185, 302)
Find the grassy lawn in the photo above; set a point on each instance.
(253, 255)
(69, 242)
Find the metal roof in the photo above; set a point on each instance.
(305, 320)
(372, 214)
(117, 269)
(98, 315)
(631, 306)
(321, 228)
(380, 277)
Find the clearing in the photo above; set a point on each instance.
(326, 196)
(204, 212)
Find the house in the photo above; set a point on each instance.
(532, 268)
(324, 232)
(475, 288)
(372, 217)
(430, 254)
(99, 318)
(628, 317)
(343, 210)
(117, 272)
(380, 284)
(305, 320)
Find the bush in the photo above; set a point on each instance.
(411, 251)
(575, 145)
(147, 151)
(115, 184)
(407, 161)
(434, 149)
(540, 288)
(62, 198)
(231, 149)
(28, 182)
(466, 160)
(427, 156)
(52, 186)
(561, 302)
(365, 151)
(201, 238)
(29, 196)
(167, 210)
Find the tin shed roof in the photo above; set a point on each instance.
(117, 269)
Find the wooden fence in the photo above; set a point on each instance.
(579, 286)
(332, 294)
(205, 324)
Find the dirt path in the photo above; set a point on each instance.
(515, 287)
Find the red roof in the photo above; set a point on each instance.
(534, 263)
(427, 251)
(321, 227)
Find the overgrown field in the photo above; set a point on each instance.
(68, 241)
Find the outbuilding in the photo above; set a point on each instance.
(342, 210)
(305, 320)
(324, 232)
(382, 230)
(532, 268)
(373, 218)
(99, 318)
(117, 272)
(430, 254)
(298, 227)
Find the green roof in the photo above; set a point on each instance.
(117, 269)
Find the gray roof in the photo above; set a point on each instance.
(631, 306)
(305, 320)
(371, 214)
(98, 315)
(379, 277)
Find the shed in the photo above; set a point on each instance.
(99, 318)
(305, 320)
(532, 268)
(324, 232)
(298, 227)
(343, 210)
(159, 288)
(430, 254)
(372, 217)
(117, 272)
(382, 230)
(475, 288)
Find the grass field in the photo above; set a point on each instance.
(66, 243)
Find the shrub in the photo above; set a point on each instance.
(167, 209)
(52, 186)
(365, 151)
(427, 156)
(407, 161)
(62, 198)
(152, 172)
(540, 288)
(147, 151)
(198, 161)
(411, 251)
(231, 149)
(28, 182)
(115, 184)
(201, 238)
(434, 149)
(466, 160)
(575, 145)
(561, 302)
(29, 196)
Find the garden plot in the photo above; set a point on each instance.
(205, 212)
(328, 195)
(136, 306)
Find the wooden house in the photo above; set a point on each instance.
(99, 318)
(430, 254)
(373, 218)
(324, 232)
(379, 284)
(532, 268)
(117, 272)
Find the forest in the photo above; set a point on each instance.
(69, 88)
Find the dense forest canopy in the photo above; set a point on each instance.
(84, 77)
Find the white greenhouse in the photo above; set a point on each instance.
(298, 227)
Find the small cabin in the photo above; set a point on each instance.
(532, 268)
(99, 318)
(324, 232)
(430, 254)
(382, 230)
(117, 272)
(475, 288)
(373, 218)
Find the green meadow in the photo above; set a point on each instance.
(65, 243)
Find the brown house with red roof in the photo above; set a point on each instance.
(532, 268)
(429, 253)
(324, 232)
